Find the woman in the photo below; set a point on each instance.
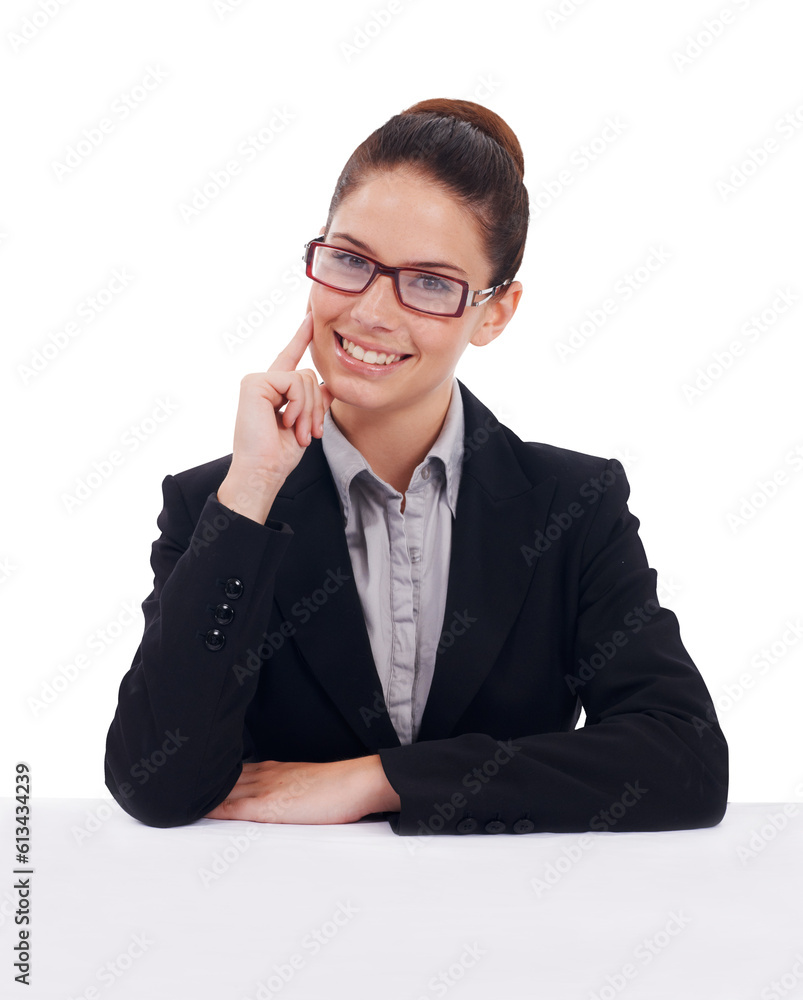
(384, 602)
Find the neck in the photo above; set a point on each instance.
(393, 442)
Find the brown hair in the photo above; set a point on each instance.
(472, 153)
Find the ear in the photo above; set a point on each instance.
(499, 312)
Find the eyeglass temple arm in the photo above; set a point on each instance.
(488, 293)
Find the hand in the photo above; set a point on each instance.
(273, 441)
(341, 791)
(268, 444)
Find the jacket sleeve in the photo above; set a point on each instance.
(174, 749)
(651, 755)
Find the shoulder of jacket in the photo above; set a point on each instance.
(203, 478)
(549, 459)
(538, 460)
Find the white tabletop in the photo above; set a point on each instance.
(234, 910)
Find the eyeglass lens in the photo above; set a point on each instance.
(417, 289)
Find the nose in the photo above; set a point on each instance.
(378, 305)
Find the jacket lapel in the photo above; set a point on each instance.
(498, 511)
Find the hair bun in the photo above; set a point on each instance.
(480, 117)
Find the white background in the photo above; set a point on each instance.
(220, 73)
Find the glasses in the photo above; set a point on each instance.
(423, 291)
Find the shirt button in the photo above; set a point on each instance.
(233, 588)
(223, 614)
(495, 826)
(467, 825)
(425, 472)
(214, 639)
(523, 826)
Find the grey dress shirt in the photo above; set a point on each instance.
(401, 560)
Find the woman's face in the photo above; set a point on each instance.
(402, 219)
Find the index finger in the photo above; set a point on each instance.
(287, 360)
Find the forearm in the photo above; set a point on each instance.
(630, 774)
(182, 689)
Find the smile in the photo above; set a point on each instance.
(369, 359)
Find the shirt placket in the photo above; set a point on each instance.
(405, 533)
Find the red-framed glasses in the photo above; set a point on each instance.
(423, 291)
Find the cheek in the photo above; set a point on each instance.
(324, 303)
(315, 350)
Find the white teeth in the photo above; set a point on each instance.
(369, 357)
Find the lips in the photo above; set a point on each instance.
(369, 347)
(366, 350)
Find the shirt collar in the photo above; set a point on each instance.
(345, 461)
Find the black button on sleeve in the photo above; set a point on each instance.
(523, 826)
(467, 825)
(495, 826)
(223, 614)
(233, 588)
(215, 639)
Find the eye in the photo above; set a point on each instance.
(348, 261)
(432, 284)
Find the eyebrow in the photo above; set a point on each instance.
(413, 263)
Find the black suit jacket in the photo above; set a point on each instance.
(550, 605)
